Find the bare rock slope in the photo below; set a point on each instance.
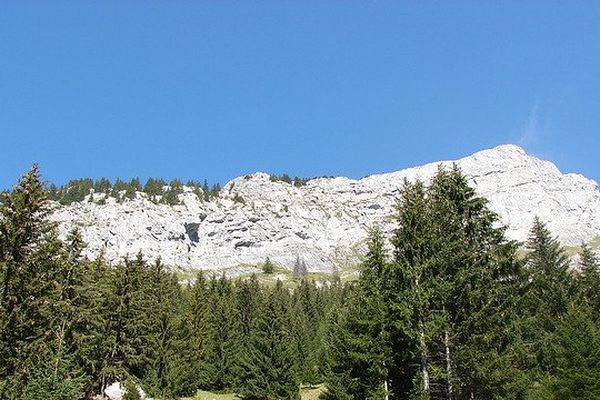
(326, 220)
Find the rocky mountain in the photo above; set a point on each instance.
(326, 220)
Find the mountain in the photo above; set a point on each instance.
(324, 221)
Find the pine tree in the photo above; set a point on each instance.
(440, 307)
(197, 323)
(300, 269)
(220, 344)
(359, 342)
(476, 271)
(589, 278)
(127, 324)
(162, 314)
(269, 366)
(549, 292)
(29, 257)
(268, 267)
(305, 329)
(577, 348)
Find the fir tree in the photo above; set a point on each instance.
(220, 343)
(589, 278)
(29, 257)
(358, 341)
(268, 267)
(577, 348)
(300, 269)
(269, 366)
(548, 293)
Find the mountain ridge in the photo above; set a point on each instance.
(326, 219)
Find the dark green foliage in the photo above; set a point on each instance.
(577, 348)
(220, 344)
(269, 369)
(132, 188)
(102, 185)
(432, 322)
(74, 191)
(29, 257)
(171, 196)
(131, 392)
(77, 190)
(214, 192)
(296, 181)
(268, 267)
(549, 289)
(588, 278)
(358, 342)
(63, 381)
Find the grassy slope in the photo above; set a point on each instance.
(306, 393)
(594, 245)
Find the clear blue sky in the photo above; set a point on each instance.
(216, 89)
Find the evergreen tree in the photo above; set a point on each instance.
(589, 278)
(269, 365)
(221, 342)
(358, 341)
(127, 323)
(307, 333)
(268, 267)
(102, 185)
(29, 256)
(205, 191)
(300, 269)
(118, 189)
(549, 291)
(162, 313)
(577, 348)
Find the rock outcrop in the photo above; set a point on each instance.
(326, 220)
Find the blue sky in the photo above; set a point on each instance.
(216, 89)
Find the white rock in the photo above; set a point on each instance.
(116, 392)
(326, 220)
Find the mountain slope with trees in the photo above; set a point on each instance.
(445, 310)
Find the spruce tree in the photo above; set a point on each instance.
(29, 257)
(222, 328)
(268, 267)
(359, 345)
(577, 348)
(270, 365)
(589, 278)
(162, 314)
(549, 291)
(300, 269)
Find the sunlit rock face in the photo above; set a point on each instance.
(325, 221)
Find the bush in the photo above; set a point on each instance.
(268, 267)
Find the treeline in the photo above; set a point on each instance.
(157, 190)
(453, 313)
(70, 326)
(446, 310)
(296, 181)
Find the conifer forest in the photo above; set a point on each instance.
(445, 308)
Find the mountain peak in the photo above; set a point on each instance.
(325, 221)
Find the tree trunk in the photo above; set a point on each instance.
(449, 389)
(424, 359)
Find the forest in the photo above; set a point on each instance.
(447, 308)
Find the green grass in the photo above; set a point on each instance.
(202, 395)
(306, 393)
(594, 245)
(347, 273)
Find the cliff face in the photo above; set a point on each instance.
(326, 220)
